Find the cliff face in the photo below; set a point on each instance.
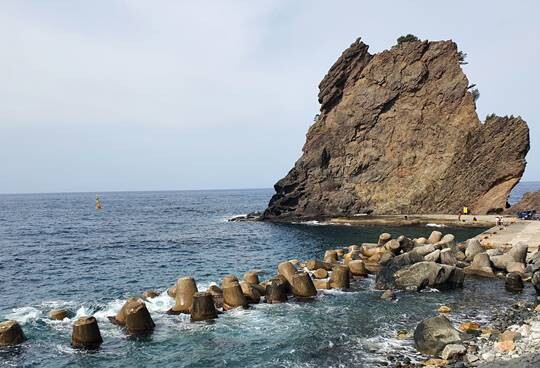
(398, 133)
(529, 201)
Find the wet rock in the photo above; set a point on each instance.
(172, 291)
(321, 273)
(120, 318)
(86, 334)
(433, 334)
(185, 288)
(513, 282)
(444, 309)
(453, 351)
(340, 277)
(388, 295)
(138, 319)
(406, 244)
(203, 307)
(480, 266)
(58, 314)
(11, 333)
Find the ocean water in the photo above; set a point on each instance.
(57, 251)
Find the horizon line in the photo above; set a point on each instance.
(135, 191)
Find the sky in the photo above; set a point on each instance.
(168, 95)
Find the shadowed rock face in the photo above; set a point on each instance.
(398, 133)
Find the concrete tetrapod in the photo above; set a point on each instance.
(251, 277)
(276, 292)
(138, 319)
(11, 333)
(203, 307)
(185, 288)
(340, 277)
(86, 334)
(233, 297)
(303, 286)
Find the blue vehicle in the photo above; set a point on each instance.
(528, 215)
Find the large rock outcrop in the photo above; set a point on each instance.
(398, 133)
(529, 201)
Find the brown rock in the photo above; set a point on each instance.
(185, 288)
(509, 336)
(203, 307)
(398, 133)
(505, 346)
(469, 326)
(340, 277)
(148, 294)
(138, 319)
(480, 266)
(444, 309)
(529, 201)
(322, 284)
(251, 277)
(357, 267)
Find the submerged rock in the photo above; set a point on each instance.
(398, 134)
(432, 335)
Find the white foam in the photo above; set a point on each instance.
(435, 225)
(24, 314)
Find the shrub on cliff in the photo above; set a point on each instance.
(476, 94)
(407, 38)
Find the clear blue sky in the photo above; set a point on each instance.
(157, 95)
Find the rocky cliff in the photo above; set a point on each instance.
(529, 201)
(398, 133)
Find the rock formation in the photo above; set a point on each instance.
(529, 201)
(398, 133)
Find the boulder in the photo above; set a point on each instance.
(533, 264)
(11, 333)
(137, 318)
(406, 244)
(432, 335)
(424, 250)
(388, 295)
(420, 241)
(473, 247)
(424, 274)
(86, 334)
(203, 307)
(58, 314)
(480, 266)
(517, 253)
(120, 318)
(355, 161)
(322, 284)
(453, 351)
(513, 282)
(352, 256)
(330, 256)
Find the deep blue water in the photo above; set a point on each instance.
(58, 251)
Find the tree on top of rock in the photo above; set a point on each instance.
(407, 38)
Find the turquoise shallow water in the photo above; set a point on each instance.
(58, 251)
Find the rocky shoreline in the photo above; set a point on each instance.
(399, 265)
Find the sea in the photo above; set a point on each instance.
(58, 251)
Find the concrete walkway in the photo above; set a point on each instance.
(518, 231)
